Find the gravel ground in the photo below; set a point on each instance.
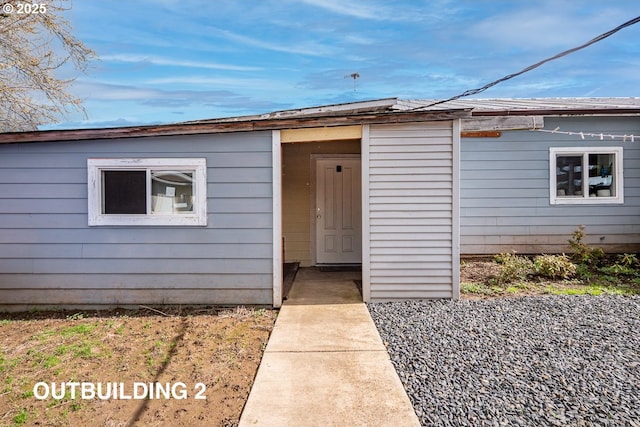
(530, 361)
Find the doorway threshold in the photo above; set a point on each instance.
(314, 287)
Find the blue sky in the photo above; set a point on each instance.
(164, 61)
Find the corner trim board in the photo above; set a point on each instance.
(455, 214)
(365, 157)
(276, 164)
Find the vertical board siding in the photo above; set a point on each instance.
(411, 214)
(49, 257)
(505, 191)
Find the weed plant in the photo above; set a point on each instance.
(586, 266)
(554, 266)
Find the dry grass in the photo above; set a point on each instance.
(219, 349)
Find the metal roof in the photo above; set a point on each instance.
(478, 107)
(374, 106)
(508, 106)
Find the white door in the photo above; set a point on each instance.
(338, 211)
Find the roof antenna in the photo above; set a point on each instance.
(354, 76)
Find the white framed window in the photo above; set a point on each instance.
(147, 191)
(586, 175)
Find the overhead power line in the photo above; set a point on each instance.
(536, 65)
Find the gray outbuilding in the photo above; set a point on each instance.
(208, 212)
(199, 213)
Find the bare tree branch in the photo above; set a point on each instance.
(36, 44)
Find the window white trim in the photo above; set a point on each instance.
(584, 198)
(95, 194)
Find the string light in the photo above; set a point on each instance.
(600, 135)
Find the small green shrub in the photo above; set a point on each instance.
(475, 288)
(618, 270)
(584, 272)
(582, 252)
(554, 266)
(513, 267)
(626, 265)
(503, 257)
(627, 260)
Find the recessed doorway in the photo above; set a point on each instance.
(338, 195)
(338, 213)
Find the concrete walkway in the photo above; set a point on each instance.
(325, 364)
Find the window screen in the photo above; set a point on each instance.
(125, 192)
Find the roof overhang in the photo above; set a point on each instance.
(559, 112)
(236, 125)
(548, 107)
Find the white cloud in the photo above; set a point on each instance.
(203, 81)
(386, 10)
(364, 10)
(305, 47)
(359, 39)
(174, 62)
(98, 124)
(111, 92)
(168, 98)
(553, 24)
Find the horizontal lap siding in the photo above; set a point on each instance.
(505, 191)
(411, 211)
(50, 257)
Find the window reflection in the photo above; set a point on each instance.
(599, 175)
(171, 192)
(569, 176)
